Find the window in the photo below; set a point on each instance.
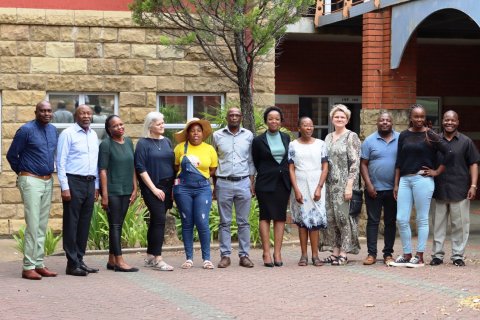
(316, 108)
(178, 108)
(432, 107)
(64, 104)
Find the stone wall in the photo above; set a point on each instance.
(94, 51)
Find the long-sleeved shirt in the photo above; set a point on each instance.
(419, 149)
(77, 153)
(33, 149)
(234, 153)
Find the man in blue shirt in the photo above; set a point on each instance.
(377, 166)
(77, 158)
(31, 156)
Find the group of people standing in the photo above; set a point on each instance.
(435, 173)
(316, 178)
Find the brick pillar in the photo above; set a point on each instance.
(383, 88)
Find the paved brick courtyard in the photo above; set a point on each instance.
(290, 292)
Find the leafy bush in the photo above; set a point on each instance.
(51, 240)
(134, 231)
(214, 224)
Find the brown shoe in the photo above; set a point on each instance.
(245, 262)
(224, 262)
(31, 275)
(44, 272)
(369, 260)
(388, 260)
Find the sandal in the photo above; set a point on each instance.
(303, 262)
(331, 259)
(317, 262)
(208, 265)
(163, 266)
(341, 261)
(187, 264)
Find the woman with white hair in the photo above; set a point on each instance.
(154, 163)
(343, 148)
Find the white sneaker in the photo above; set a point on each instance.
(415, 262)
(399, 262)
(149, 262)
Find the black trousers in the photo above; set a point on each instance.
(158, 215)
(386, 201)
(77, 214)
(117, 210)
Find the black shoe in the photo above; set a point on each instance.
(436, 262)
(120, 269)
(277, 263)
(86, 268)
(459, 263)
(268, 264)
(76, 272)
(110, 266)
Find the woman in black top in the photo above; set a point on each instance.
(154, 160)
(414, 172)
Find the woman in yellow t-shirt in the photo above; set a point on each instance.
(195, 162)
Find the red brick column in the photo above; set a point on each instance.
(383, 88)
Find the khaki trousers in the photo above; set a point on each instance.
(37, 198)
(459, 213)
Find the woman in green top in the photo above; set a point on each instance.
(118, 186)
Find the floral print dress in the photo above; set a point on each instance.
(308, 159)
(342, 231)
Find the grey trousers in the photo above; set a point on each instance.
(459, 213)
(229, 194)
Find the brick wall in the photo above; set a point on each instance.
(319, 68)
(94, 51)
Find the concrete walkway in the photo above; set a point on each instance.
(290, 292)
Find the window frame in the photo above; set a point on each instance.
(190, 106)
(81, 100)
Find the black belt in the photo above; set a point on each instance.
(77, 176)
(230, 178)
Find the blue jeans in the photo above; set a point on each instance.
(193, 197)
(418, 190)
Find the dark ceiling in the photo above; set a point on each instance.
(446, 24)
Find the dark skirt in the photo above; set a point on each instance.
(273, 205)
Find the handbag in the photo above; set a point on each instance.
(356, 202)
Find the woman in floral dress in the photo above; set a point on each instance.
(343, 147)
(308, 166)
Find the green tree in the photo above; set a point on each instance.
(233, 34)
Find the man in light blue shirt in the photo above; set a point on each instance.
(233, 183)
(377, 166)
(77, 157)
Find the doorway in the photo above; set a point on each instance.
(354, 104)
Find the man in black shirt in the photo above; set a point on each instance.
(453, 191)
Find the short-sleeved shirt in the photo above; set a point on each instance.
(453, 184)
(204, 154)
(381, 156)
(234, 152)
(117, 159)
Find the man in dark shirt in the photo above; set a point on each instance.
(31, 156)
(453, 191)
